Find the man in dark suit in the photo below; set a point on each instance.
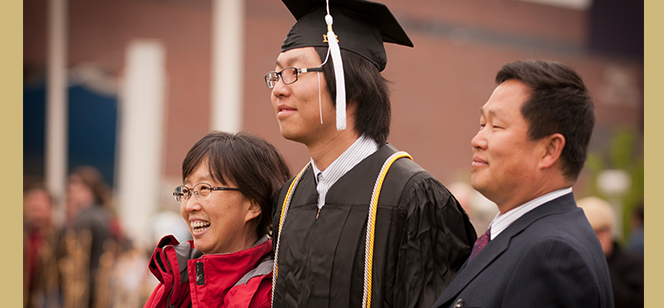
(540, 250)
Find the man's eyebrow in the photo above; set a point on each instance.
(491, 112)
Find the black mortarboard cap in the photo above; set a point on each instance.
(361, 27)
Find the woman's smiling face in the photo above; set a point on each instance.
(222, 222)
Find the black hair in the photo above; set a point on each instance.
(558, 102)
(367, 88)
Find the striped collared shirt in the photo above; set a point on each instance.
(501, 222)
(358, 151)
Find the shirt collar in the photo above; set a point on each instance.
(502, 221)
(358, 151)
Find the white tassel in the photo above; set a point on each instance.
(338, 73)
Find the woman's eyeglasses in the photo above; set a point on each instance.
(201, 190)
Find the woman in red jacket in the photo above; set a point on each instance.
(229, 182)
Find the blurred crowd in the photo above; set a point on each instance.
(84, 260)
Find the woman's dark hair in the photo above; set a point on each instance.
(558, 103)
(367, 88)
(248, 161)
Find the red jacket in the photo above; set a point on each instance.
(239, 279)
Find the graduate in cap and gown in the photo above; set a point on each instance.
(362, 225)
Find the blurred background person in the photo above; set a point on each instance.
(625, 269)
(635, 242)
(40, 267)
(229, 183)
(89, 210)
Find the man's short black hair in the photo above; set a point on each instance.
(366, 88)
(558, 103)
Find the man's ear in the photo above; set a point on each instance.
(253, 211)
(554, 145)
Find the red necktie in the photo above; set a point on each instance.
(480, 243)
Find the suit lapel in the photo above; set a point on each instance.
(498, 245)
(470, 270)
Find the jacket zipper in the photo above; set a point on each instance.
(200, 275)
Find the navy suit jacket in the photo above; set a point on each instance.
(549, 257)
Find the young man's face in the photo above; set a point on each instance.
(504, 158)
(297, 105)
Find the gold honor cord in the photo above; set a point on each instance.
(282, 217)
(371, 227)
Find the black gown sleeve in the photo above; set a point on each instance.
(437, 240)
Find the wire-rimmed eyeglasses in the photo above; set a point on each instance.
(289, 75)
(201, 190)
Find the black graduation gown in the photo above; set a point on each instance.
(422, 237)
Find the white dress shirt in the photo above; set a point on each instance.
(358, 151)
(502, 221)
